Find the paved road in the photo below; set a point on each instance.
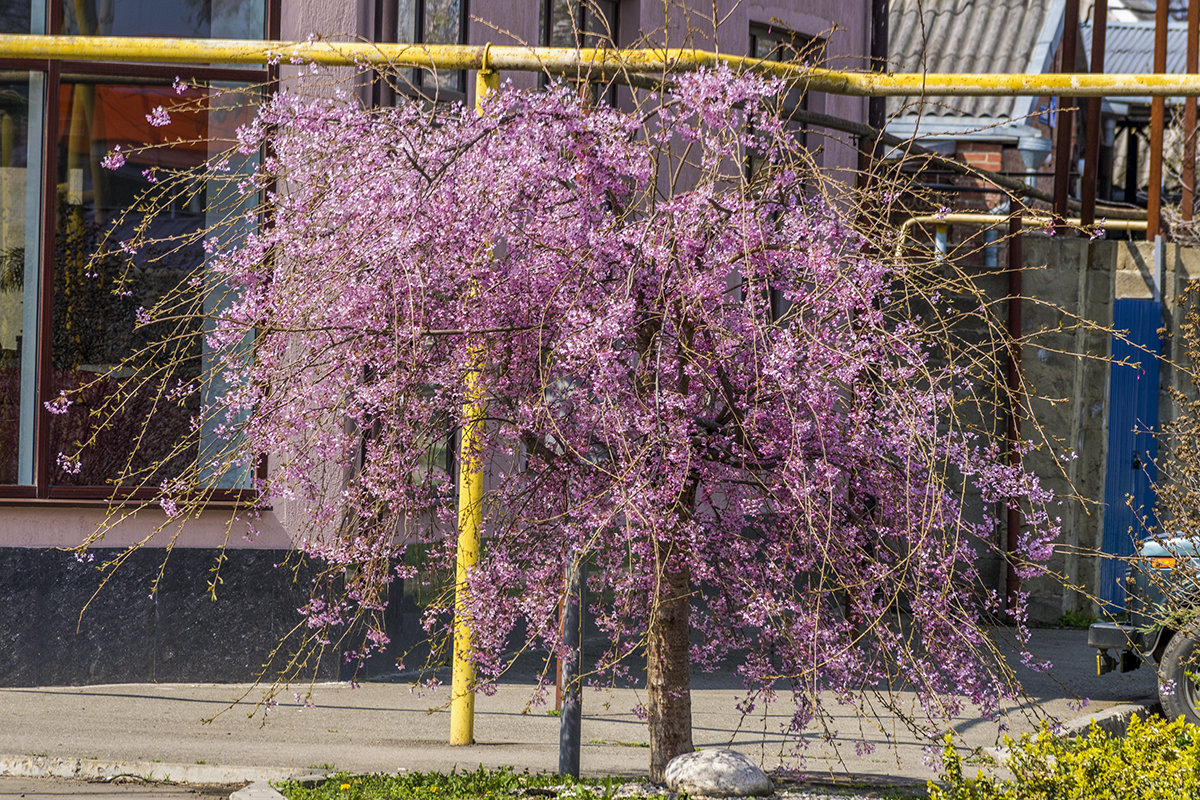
(160, 730)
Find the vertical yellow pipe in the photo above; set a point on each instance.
(470, 511)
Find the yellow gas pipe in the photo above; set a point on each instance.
(470, 509)
(989, 220)
(646, 62)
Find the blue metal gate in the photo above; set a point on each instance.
(1132, 422)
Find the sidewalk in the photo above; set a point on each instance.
(159, 730)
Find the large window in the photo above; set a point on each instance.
(779, 44)
(21, 101)
(578, 23)
(64, 322)
(435, 22)
(216, 19)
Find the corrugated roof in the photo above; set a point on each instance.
(1146, 8)
(1000, 36)
(1129, 46)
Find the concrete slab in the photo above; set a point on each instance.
(12, 788)
(157, 771)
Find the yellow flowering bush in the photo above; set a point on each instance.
(1155, 760)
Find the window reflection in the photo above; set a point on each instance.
(217, 19)
(434, 22)
(579, 23)
(97, 303)
(20, 185)
(16, 16)
(778, 44)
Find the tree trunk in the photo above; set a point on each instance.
(668, 678)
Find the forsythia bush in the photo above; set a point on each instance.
(1155, 760)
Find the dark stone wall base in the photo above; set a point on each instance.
(180, 634)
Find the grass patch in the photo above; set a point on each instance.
(481, 784)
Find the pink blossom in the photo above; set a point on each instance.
(59, 405)
(159, 117)
(114, 159)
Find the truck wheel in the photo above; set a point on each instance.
(1180, 694)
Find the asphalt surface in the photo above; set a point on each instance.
(217, 734)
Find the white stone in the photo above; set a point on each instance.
(717, 773)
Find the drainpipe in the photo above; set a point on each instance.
(1034, 151)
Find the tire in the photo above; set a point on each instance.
(1180, 695)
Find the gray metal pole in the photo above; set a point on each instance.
(572, 700)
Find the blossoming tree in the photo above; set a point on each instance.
(705, 379)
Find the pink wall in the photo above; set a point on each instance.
(58, 524)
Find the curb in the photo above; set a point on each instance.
(87, 769)
(1114, 721)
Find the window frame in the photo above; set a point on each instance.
(799, 43)
(579, 29)
(55, 75)
(387, 29)
(579, 24)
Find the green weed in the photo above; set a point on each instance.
(480, 784)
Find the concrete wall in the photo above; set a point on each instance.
(1070, 284)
